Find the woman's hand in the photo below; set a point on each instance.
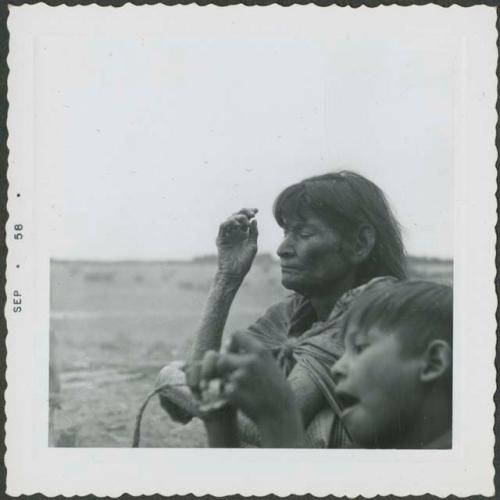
(237, 244)
(254, 383)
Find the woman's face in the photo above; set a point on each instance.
(314, 256)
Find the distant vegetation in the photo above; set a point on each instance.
(195, 275)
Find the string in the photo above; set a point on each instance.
(138, 419)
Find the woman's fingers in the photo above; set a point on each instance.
(253, 232)
(240, 222)
(244, 342)
(233, 226)
(240, 225)
(199, 373)
(240, 219)
(208, 369)
(229, 363)
(248, 212)
(193, 377)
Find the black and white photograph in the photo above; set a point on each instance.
(254, 228)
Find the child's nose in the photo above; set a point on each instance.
(338, 370)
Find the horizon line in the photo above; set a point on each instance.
(202, 258)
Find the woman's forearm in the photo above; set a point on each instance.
(248, 430)
(214, 316)
(308, 396)
(221, 428)
(282, 431)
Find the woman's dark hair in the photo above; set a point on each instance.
(347, 201)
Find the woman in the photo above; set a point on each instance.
(340, 237)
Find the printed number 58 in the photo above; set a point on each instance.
(18, 235)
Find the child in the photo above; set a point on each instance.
(394, 381)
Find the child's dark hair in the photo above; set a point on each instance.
(417, 311)
(347, 200)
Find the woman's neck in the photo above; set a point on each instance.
(324, 303)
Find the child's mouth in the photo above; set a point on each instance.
(346, 400)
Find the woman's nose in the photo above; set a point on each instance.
(285, 249)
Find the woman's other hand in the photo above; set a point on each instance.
(253, 381)
(237, 244)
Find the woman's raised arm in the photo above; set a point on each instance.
(237, 247)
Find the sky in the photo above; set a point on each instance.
(154, 136)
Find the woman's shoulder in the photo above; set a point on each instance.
(379, 281)
(287, 306)
(346, 299)
(276, 319)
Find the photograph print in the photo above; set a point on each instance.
(254, 232)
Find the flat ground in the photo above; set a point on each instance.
(115, 325)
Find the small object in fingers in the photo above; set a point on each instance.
(249, 212)
(228, 388)
(213, 405)
(241, 218)
(212, 390)
(212, 398)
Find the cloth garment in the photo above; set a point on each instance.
(291, 331)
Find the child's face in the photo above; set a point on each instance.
(378, 387)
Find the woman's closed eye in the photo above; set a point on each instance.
(295, 234)
(305, 235)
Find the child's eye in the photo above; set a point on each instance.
(359, 348)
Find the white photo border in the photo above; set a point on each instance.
(467, 469)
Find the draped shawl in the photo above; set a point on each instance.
(291, 331)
